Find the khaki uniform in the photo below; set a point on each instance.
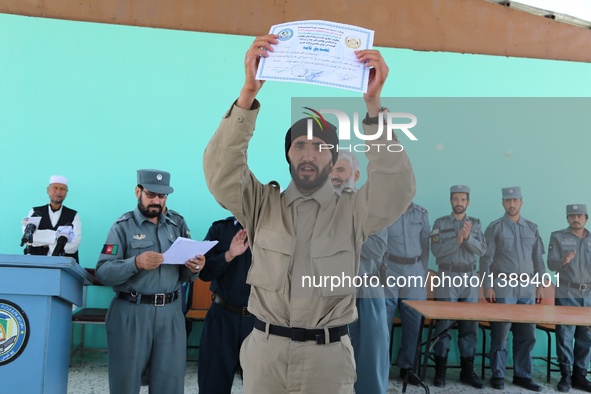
(294, 235)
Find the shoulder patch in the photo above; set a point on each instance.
(109, 249)
(435, 236)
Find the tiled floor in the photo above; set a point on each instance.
(88, 375)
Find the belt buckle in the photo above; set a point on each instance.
(320, 339)
(159, 299)
(298, 334)
(583, 287)
(245, 312)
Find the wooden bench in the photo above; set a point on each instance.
(200, 301)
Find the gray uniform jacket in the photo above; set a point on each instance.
(372, 253)
(446, 249)
(131, 235)
(294, 235)
(372, 258)
(512, 247)
(408, 237)
(578, 271)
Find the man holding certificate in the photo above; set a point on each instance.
(145, 322)
(300, 342)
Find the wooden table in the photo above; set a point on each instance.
(491, 312)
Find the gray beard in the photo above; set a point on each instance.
(350, 183)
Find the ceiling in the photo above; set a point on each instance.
(491, 27)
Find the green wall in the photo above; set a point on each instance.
(96, 102)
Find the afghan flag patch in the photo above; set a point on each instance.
(110, 249)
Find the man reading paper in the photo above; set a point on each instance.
(145, 322)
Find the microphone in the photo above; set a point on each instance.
(63, 235)
(32, 223)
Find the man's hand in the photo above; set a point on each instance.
(378, 74)
(490, 295)
(539, 294)
(260, 47)
(464, 232)
(148, 260)
(466, 229)
(569, 257)
(195, 264)
(238, 246)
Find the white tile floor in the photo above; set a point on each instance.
(88, 375)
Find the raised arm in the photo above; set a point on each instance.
(260, 47)
(391, 182)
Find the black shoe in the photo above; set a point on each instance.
(526, 383)
(498, 383)
(579, 381)
(470, 378)
(412, 378)
(440, 368)
(565, 379)
(565, 384)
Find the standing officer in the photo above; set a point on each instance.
(456, 240)
(145, 322)
(569, 254)
(228, 320)
(300, 342)
(369, 334)
(54, 215)
(407, 258)
(514, 248)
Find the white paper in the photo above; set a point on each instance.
(318, 52)
(184, 249)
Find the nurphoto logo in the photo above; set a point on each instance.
(393, 121)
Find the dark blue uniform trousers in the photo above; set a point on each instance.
(219, 348)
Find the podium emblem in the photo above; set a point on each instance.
(14, 331)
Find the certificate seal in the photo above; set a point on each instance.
(285, 34)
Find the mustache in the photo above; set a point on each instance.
(307, 163)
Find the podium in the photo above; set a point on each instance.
(36, 297)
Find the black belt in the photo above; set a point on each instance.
(241, 310)
(155, 299)
(457, 268)
(303, 334)
(403, 260)
(573, 285)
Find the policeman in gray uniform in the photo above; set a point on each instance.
(369, 334)
(456, 240)
(569, 254)
(145, 322)
(514, 250)
(406, 260)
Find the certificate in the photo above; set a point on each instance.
(318, 52)
(184, 249)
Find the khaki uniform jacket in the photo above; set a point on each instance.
(292, 235)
